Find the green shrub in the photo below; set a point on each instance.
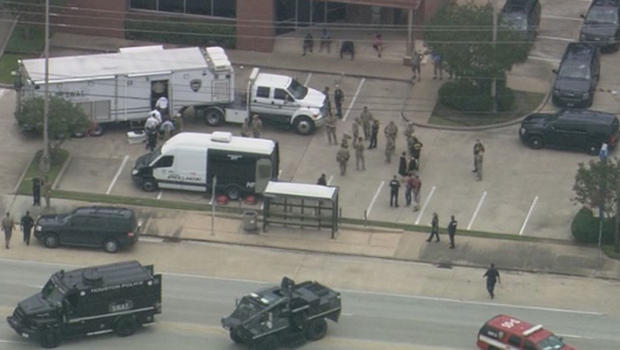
(585, 227)
(470, 95)
(176, 30)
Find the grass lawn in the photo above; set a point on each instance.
(610, 251)
(26, 39)
(8, 63)
(525, 102)
(25, 187)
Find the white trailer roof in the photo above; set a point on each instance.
(275, 188)
(138, 61)
(234, 143)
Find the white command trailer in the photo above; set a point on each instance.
(190, 161)
(125, 86)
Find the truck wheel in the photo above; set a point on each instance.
(234, 336)
(316, 329)
(96, 131)
(233, 192)
(51, 240)
(213, 116)
(535, 142)
(50, 339)
(149, 185)
(304, 125)
(126, 326)
(267, 343)
(110, 246)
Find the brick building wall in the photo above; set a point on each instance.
(255, 29)
(93, 17)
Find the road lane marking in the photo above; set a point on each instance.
(428, 198)
(151, 240)
(548, 59)
(579, 19)
(118, 173)
(308, 79)
(330, 179)
(556, 38)
(359, 88)
(159, 195)
(527, 217)
(473, 217)
(374, 198)
(279, 173)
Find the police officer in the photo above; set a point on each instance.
(322, 181)
(374, 131)
(478, 148)
(245, 127)
(343, 157)
(390, 148)
(366, 118)
(391, 131)
(478, 164)
(355, 127)
(338, 100)
(359, 153)
(36, 191)
(328, 102)
(257, 126)
(434, 228)
(492, 276)
(330, 128)
(394, 186)
(27, 223)
(452, 230)
(7, 227)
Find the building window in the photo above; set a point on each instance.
(217, 8)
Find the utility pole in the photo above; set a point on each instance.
(494, 82)
(45, 160)
(603, 157)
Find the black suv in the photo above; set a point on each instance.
(601, 25)
(578, 129)
(577, 76)
(522, 16)
(107, 227)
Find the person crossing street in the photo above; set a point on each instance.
(27, 223)
(434, 228)
(492, 276)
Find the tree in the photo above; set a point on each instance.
(64, 119)
(463, 36)
(598, 185)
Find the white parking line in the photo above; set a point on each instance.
(556, 38)
(548, 59)
(330, 179)
(473, 217)
(118, 172)
(578, 19)
(374, 198)
(151, 240)
(527, 217)
(428, 199)
(308, 79)
(159, 195)
(2, 92)
(359, 88)
(279, 173)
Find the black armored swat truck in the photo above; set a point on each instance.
(281, 314)
(118, 297)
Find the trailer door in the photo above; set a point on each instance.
(263, 174)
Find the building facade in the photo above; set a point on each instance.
(248, 24)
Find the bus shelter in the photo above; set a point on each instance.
(303, 205)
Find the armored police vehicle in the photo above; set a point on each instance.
(118, 297)
(265, 319)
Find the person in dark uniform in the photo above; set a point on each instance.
(434, 228)
(338, 100)
(308, 43)
(402, 164)
(27, 223)
(492, 276)
(374, 131)
(36, 191)
(394, 186)
(452, 230)
(478, 148)
(321, 180)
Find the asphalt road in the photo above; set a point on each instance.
(193, 305)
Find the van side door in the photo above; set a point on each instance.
(76, 230)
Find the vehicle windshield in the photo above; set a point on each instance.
(574, 71)
(297, 90)
(601, 15)
(550, 343)
(51, 292)
(514, 20)
(153, 155)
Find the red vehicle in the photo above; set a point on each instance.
(505, 332)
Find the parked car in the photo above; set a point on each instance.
(577, 129)
(601, 24)
(577, 76)
(522, 16)
(109, 228)
(507, 332)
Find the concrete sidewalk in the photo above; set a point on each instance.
(174, 225)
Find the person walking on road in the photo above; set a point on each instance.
(416, 186)
(366, 118)
(394, 186)
(413, 165)
(416, 62)
(245, 127)
(355, 128)
(343, 157)
(452, 230)
(359, 153)
(478, 163)
(47, 192)
(27, 223)
(391, 131)
(330, 128)
(437, 65)
(434, 229)
(326, 41)
(374, 131)
(478, 148)
(338, 100)
(328, 102)
(7, 227)
(257, 126)
(36, 191)
(402, 164)
(390, 147)
(308, 43)
(322, 181)
(492, 276)
(408, 189)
